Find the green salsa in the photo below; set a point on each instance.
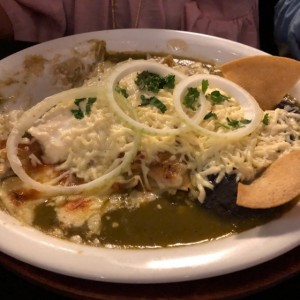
(165, 222)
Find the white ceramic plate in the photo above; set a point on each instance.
(210, 259)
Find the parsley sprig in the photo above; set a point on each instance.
(148, 81)
(78, 113)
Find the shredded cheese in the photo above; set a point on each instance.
(119, 131)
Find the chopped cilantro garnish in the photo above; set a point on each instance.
(154, 102)
(190, 99)
(169, 81)
(121, 91)
(237, 123)
(266, 119)
(216, 97)
(245, 121)
(222, 125)
(210, 115)
(78, 101)
(78, 113)
(204, 86)
(233, 123)
(88, 107)
(147, 81)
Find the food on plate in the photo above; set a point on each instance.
(266, 78)
(147, 153)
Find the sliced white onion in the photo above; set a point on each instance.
(251, 109)
(135, 66)
(33, 114)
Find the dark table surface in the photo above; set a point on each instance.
(15, 286)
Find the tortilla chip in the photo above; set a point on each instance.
(267, 78)
(280, 183)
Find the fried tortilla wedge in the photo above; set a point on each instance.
(280, 183)
(267, 78)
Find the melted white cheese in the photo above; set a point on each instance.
(88, 147)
